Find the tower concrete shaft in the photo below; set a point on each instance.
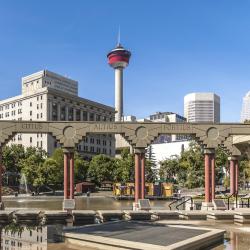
(119, 94)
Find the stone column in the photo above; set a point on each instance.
(137, 177)
(207, 178)
(72, 183)
(237, 176)
(143, 175)
(209, 188)
(66, 113)
(66, 178)
(59, 111)
(1, 179)
(69, 202)
(74, 114)
(212, 158)
(233, 174)
(50, 110)
(81, 115)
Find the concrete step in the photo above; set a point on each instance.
(56, 217)
(165, 214)
(137, 215)
(193, 215)
(83, 217)
(242, 216)
(6, 217)
(218, 215)
(27, 216)
(110, 215)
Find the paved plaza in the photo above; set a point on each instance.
(143, 235)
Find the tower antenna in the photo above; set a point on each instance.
(119, 37)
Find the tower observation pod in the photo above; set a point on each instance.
(118, 59)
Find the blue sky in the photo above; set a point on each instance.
(178, 47)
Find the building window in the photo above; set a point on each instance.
(91, 117)
(85, 116)
(30, 104)
(30, 139)
(30, 112)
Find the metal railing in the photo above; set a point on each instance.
(185, 201)
(242, 199)
(229, 197)
(175, 201)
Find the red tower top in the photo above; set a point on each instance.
(119, 57)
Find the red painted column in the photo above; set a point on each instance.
(72, 183)
(212, 158)
(142, 175)
(65, 175)
(236, 176)
(137, 177)
(1, 173)
(232, 176)
(207, 178)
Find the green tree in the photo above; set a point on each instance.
(226, 182)
(221, 159)
(81, 168)
(12, 155)
(101, 168)
(244, 171)
(150, 165)
(58, 156)
(191, 172)
(30, 168)
(49, 173)
(169, 168)
(124, 167)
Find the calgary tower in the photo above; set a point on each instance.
(118, 59)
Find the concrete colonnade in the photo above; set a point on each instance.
(139, 174)
(1, 178)
(234, 174)
(69, 185)
(209, 159)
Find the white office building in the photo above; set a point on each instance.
(168, 117)
(202, 107)
(156, 117)
(47, 96)
(245, 111)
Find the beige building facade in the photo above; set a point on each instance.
(47, 96)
